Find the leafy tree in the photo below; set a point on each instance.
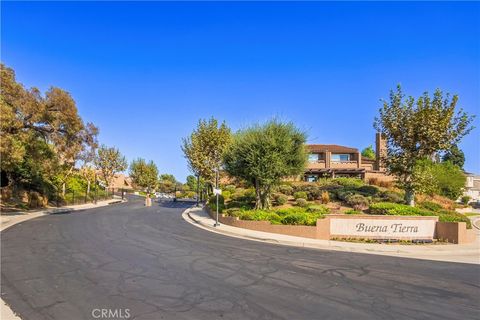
(192, 183)
(42, 135)
(144, 174)
(110, 161)
(455, 155)
(205, 147)
(450, 180)
(167, 183)
(445, 178)
(418, 129)
(264, 154)
(368, 152)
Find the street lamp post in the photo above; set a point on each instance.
(217, 193)
(198, 190)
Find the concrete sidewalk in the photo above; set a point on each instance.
(464, 253)
(9, 219)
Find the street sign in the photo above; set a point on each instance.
(217, 191)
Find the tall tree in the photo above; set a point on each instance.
(419, 129)
(144, 174)
(368, 152)
(205, 147)
(455, 155)
(264, 154)
(46, 129)
(110, 161)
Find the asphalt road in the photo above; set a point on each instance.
(147, 263)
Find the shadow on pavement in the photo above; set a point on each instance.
(169, 203)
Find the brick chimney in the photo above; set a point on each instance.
(380, 151)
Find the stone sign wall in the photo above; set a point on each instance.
(382, 227)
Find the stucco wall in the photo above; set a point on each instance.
(455, 232)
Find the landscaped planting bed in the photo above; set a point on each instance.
(302, 203)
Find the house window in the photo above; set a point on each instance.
(313, 157)
(340, 157)
(311, 178)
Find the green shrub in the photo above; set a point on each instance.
(212, 203)
(317, 208)
(452, 216)
(260, 215)
(286, 211)
(357, 201)
(465, 199)
(300, 194)
(280, 198)
(368, 190)
(343, 194)
(294, 215)
(432, 206)
(250, 193)
(302, 202)
(230, 188)
(285, 189)
(239, 193)
(388, 208)
(353, 212)
(312, 190)
(232, 212)
(301, 218)
(391, 196)
(349, 182)
(226, 194)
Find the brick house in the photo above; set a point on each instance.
(331, 160)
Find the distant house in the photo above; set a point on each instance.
(120, 181)
(472, 186)
(331, 160)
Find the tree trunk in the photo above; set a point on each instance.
(410, 197)
(63, 189)
(88, 187)
(258, 196)
(265, 196)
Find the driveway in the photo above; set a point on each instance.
(147, 263)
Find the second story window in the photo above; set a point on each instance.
(313, 157)
(340, 157)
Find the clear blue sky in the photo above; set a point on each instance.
(146, 72)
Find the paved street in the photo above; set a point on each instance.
(151, 262)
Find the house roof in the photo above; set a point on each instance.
(330, 147)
